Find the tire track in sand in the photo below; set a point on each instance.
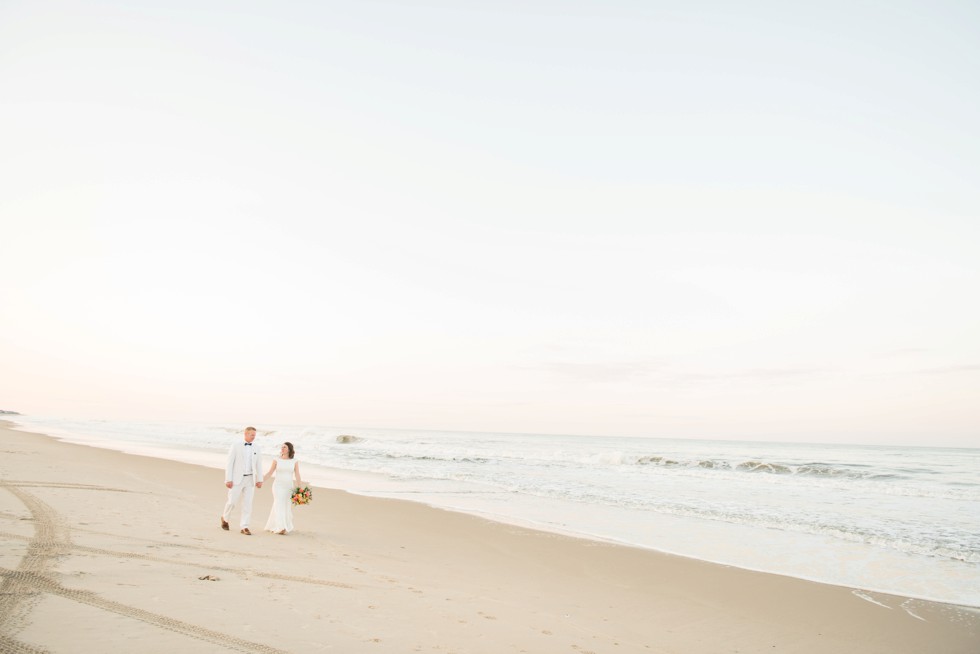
(47, 585)
(22, 587)
(11, 646)
(56, 484)
(66, 548)
(17, 598)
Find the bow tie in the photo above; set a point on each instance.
(248, 445)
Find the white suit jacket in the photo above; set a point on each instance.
(235, 468)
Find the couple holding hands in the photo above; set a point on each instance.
(243, 474)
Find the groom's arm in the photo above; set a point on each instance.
(230, 467)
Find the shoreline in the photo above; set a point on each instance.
(364, 573)
(686, 540)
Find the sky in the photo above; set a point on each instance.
(753, 220)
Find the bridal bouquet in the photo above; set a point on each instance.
(302, 495)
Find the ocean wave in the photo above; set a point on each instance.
(449, 458)
(939, 547)
(715, 465)
(753, 466)
(560, 464)
(950, 544)
(762, 466)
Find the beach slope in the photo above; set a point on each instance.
(108, 552)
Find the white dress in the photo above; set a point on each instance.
(281, 516)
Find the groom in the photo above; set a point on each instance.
(243, 474)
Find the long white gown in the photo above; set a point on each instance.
(281, 516)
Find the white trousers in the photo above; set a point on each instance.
(243, 492)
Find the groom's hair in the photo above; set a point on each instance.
(292, 452)
(250, 429)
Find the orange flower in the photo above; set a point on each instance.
(302, 495)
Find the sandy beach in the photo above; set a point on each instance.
(107, 552)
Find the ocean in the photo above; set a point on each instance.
(902, 520)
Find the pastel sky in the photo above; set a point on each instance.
(672, 219)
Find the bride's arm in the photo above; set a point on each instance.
(296, 473)
(271, 470)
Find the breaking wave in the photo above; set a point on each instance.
(761, 467)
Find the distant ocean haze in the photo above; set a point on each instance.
(904, 520)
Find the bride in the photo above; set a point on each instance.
(285, 469)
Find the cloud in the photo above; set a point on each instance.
(902, 352)
(638, 371)
(750, 375)
(948, 370)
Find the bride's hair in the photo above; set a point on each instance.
(292, 452)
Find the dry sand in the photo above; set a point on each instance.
(108, 552)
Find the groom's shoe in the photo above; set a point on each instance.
(246, 531)
(224, 523)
